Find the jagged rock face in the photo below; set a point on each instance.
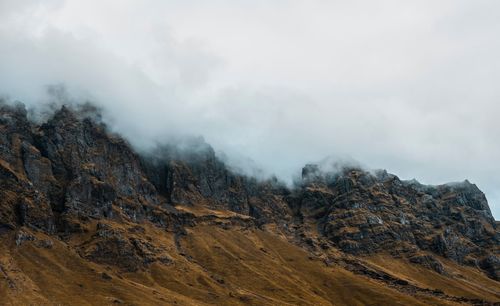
(128, 250)
(196, 175)
(65, 170)
(95, 170)
(58, 176)
(21, 166)
(76, 170)
(361, 212)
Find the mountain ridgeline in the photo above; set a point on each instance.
(69, 186)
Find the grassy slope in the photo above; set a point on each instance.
(223, 267)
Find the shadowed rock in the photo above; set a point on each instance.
(59, 176)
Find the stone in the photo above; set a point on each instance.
(69, 173)
(22, 236)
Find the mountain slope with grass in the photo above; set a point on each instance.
(87, 220)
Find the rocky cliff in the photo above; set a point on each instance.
(70, 182)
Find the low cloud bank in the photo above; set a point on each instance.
(412, 88)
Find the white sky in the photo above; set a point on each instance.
(410, 86)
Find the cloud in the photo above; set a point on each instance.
(411, 87)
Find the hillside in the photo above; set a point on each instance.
(87, 220)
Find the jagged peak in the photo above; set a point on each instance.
(466, 184)
(68, 113)
(14, 107)
(64, 114)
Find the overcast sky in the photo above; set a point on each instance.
(409, 86)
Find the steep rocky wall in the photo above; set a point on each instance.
(60, 175)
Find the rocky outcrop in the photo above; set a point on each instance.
(363, 213)
(22, 203)
(95, 169)
(61, 176)
(428, 261)
(191, 174)
(129, 250)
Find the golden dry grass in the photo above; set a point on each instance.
(214, 266)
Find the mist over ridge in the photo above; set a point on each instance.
(281, 90)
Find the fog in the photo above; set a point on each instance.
(408, 86)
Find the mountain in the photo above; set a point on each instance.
(87, 220)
